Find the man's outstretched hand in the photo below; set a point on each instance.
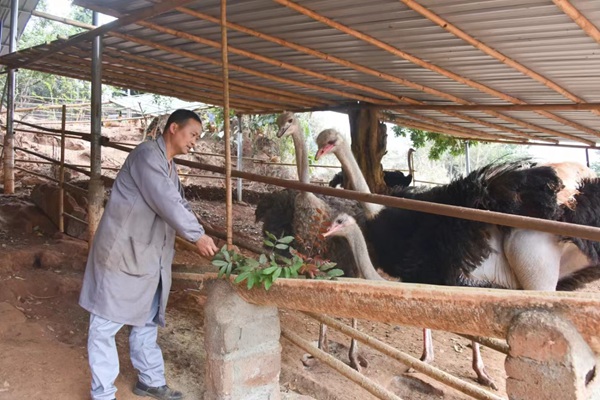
(206, 246)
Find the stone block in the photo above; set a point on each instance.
(548, 359)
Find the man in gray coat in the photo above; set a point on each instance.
(128, 273)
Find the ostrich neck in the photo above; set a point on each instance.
(356, 178)
(360, 253)
(301, 158)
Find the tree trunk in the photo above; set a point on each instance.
(369, 142)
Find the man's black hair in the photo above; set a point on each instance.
(180, 117)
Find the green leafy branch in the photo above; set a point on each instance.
(267, 268)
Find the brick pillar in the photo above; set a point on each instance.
(549, 360)
(243, 354)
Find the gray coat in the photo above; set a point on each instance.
(133, 246)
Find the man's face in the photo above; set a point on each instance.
(185, 135)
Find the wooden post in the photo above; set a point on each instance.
(96, 189)
(11, 84)
(240, 161)
(61, 173)
(226, 130)
(369, 142)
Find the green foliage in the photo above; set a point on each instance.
(267, 268)
(440, 143)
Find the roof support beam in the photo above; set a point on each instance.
(500, 107)
(413, 5)
(390, 96)
(424, 64)
(258, 90)
(585, 24)
(148, 12)
(190, 81)
(357, 67)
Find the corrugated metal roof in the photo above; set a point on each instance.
(385, 52)
(25, 9)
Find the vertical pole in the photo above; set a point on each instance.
(95, 191)
(61, 173)
(225, 62)
(240, 163)
(467, 157)
(11, 83)
(587, 157)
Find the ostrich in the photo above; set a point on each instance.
(571, 253)
(391, 178)
(307, 207)
(424, 248)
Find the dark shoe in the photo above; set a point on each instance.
(160, 393)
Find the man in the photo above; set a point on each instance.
(128, 273)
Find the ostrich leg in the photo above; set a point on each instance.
(482, 376)
(427, 355)
(323, 341)
(357, 361)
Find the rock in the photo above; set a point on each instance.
(19, 215)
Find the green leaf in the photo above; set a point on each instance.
(286, 239)
(251, 280)
(286, 272)
(271, 236)
(327, 266)
(262, 259)
(281, 246)
(268, 243)
(268, 283)
(227, 256)
(269, 270)
(276, 273)
(242, 277)
(335, 272)
(219, 263)
(252, 263)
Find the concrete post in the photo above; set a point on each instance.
(243, 354)
(548, 359)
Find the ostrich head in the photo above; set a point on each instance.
(328, 141)
(288, 124)
(342, 225)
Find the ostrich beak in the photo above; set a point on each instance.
(332, 229)
(282, 130)
(323, 151)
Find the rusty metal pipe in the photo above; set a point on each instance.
(407, 360)
(375, 389)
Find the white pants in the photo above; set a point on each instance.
(145, 354)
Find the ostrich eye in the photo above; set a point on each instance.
(331, 142)
(289, 121)
(339, 221)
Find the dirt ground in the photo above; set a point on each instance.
(43, 331)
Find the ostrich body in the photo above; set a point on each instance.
(424, 248)
(391, 179)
